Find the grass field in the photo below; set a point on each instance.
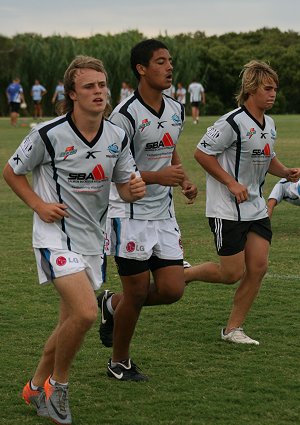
(195, 377)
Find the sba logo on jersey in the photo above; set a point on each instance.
(96, 174)
(91, 181)
(166, 142)
(266, 151)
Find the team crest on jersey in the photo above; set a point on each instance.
(145, 123)
(113, 149)
(176, 120)
(68, 151)
(251, 132)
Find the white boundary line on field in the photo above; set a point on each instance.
(282, 276)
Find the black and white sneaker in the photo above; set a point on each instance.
(125, 371)
(107, 320)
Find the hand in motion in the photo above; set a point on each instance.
(293, 174)
(137, 187)
(51, 212)
(173, 175)
(190, 191)
(239, 191)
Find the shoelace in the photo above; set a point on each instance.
(62, 398)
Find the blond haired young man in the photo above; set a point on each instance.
(73, 159)
(236, 153)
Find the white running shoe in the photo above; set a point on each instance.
(238, 336)
(186, 264)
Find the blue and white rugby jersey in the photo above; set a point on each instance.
(14, 91)
(67, 168)
(153, 137)
(244, 149)
(287, 191)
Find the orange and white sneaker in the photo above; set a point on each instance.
(57, 402)
(36, 398)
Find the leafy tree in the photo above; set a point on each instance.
(216, 61)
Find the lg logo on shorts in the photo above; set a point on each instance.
(62, 261)
(132, 246)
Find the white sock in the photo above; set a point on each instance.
(52, 382)
(32, 386)
(124, 362)
(109, 306)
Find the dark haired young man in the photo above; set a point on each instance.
(145, 237)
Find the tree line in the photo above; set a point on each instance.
(215, 61)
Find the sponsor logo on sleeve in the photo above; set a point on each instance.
(26, 147)
(213, 132)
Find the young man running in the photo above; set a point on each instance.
(145, 237)
(237, 152)
(73, 160)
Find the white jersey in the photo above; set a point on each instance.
(124, 93)
(181, 95)
(287, 191)
(170, 91)
(66, 168)
(195, 90)
(244, 149)
(153, 137)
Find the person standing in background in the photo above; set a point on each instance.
(15, 96)
(59, 93)
(170, 91)
(37, 92)
(124, 91)
(181, 94)
(197, 96)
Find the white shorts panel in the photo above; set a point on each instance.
(52, 264)
(140, 239)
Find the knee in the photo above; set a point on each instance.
(87, 318)
(232, 276)
(259, 270)
(49, 350)
(171, 294)
(137, 299)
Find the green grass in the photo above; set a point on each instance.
(195, 378)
